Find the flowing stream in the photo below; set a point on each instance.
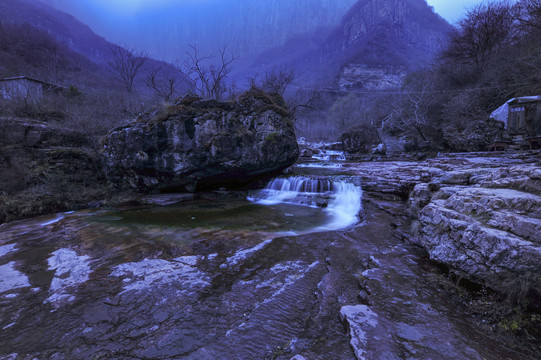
(339, 199)
(297, 270)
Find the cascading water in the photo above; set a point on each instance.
(339, 198)
(330, 155)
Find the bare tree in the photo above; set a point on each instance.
(126, 63)
(163, 88)
(530, 14)
(303, 99)
(347, 111)
(276, 81)
(484, 30)
(409, 112)
(209, 77)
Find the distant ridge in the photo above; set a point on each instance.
(389, 37)
(63, 27)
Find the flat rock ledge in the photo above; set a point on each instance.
(197, 143)
(479, 214)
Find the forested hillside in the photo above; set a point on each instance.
(493, 55)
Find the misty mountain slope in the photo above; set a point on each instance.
(245, 27)
(81, 54)
(406, 30)
(378, 41)
(65, 28)
(27, 50)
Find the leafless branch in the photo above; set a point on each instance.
(126, 63)
(276, 81)
(208, 77)
(163, 88)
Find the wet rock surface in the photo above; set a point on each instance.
(198, 143)
(76, 292)
(479, 214)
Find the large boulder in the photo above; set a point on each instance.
(199, 143)
(360, 140)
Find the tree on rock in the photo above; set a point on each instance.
(208, 74)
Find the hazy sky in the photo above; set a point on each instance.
(452, 10)
(449, 9)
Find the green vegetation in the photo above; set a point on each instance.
(272, 138)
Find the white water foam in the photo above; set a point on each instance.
(52, 221)
(319, 165)
(328, 155)
(345, 207)
(339, 198)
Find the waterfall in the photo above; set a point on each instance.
(340, 198)
(330, 155)
(301, 185)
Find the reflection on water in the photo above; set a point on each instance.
(226, 215)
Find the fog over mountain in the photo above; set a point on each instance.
(246, 27)
(322, 40)
(374, 46)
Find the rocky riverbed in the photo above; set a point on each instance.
(479, 214)
(99, 284)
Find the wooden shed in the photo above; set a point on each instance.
(522, 118)
(23, 87)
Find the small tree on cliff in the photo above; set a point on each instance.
(163, 87)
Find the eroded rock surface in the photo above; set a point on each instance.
(479, 214)
(202, 143)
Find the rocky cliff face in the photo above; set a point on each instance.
(384, 38)
(374, 46)
(479, 215)
(410, 21)
(202, 143)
